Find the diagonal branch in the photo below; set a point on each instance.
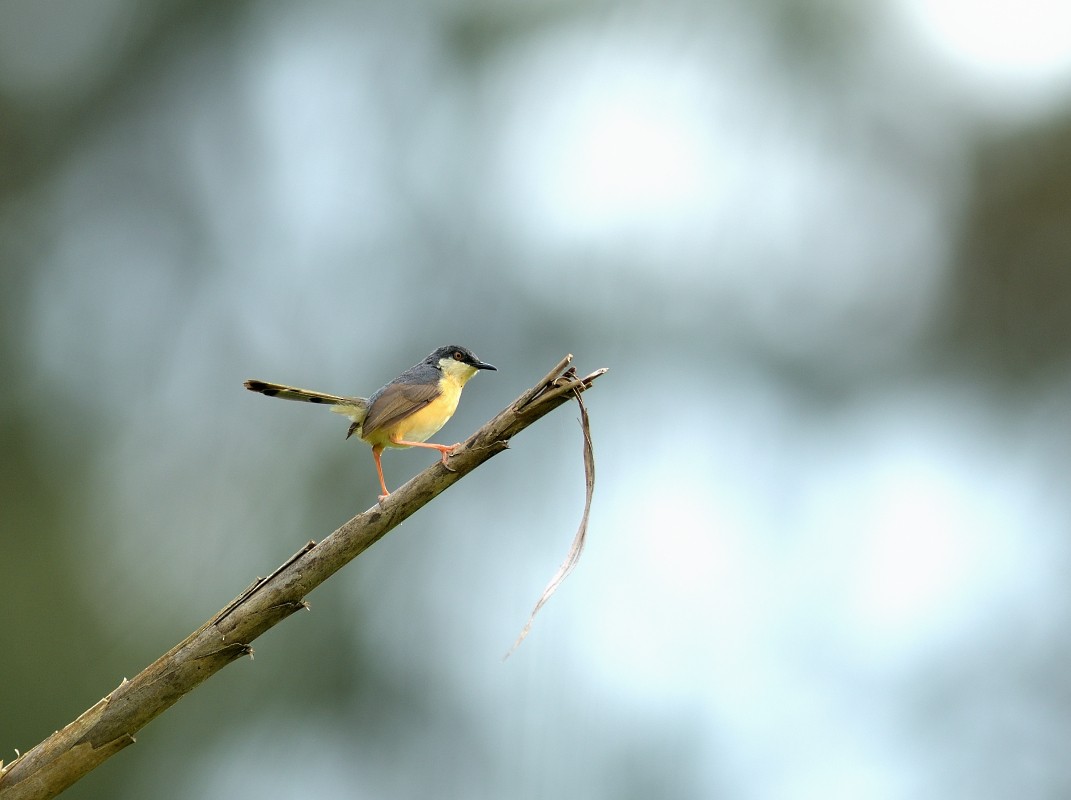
(110, 725)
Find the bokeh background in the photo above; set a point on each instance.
(823, 247)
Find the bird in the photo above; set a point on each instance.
(404, 413)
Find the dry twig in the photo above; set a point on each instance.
(577, 547)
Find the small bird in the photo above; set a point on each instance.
(407, 411)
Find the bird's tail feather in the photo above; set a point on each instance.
(353, 407)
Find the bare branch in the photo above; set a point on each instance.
(110, 724)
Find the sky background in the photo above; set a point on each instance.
(825, 251)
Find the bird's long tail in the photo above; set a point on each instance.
(356, 408)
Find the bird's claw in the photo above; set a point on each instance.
(447, 452)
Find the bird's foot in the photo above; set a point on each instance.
(447, 452)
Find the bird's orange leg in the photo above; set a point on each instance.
(445, 449)
(377, 451)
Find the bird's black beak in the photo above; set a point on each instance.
(484, 365)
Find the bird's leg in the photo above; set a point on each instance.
(377, 451)
(445, 449)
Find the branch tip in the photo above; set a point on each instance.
(548, 379)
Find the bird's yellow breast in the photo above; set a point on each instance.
(425, 423)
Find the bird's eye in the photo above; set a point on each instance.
(459, 356)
